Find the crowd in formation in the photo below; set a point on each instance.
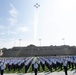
(52, 62)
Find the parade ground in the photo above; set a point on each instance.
(46, 73)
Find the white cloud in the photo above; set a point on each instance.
(2, 33)
(1, 27)
(8, 33)
(12, 32)
(1, 30)
(12, 21)
(13, 43)
(8, 44)
(22, 29)
(13, 11)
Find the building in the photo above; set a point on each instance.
(33, 50)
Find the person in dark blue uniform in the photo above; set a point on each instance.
(2, 68)
(35, 68)
(65, 66)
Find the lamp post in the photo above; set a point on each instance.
(14, 42)
(40, 41)
(36, 5)
(63, 41)
(20, 42)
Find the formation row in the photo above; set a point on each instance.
(50, 62)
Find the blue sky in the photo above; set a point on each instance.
(51, 22)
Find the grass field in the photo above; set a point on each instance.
(30, 70)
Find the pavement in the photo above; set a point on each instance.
(45, 73)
